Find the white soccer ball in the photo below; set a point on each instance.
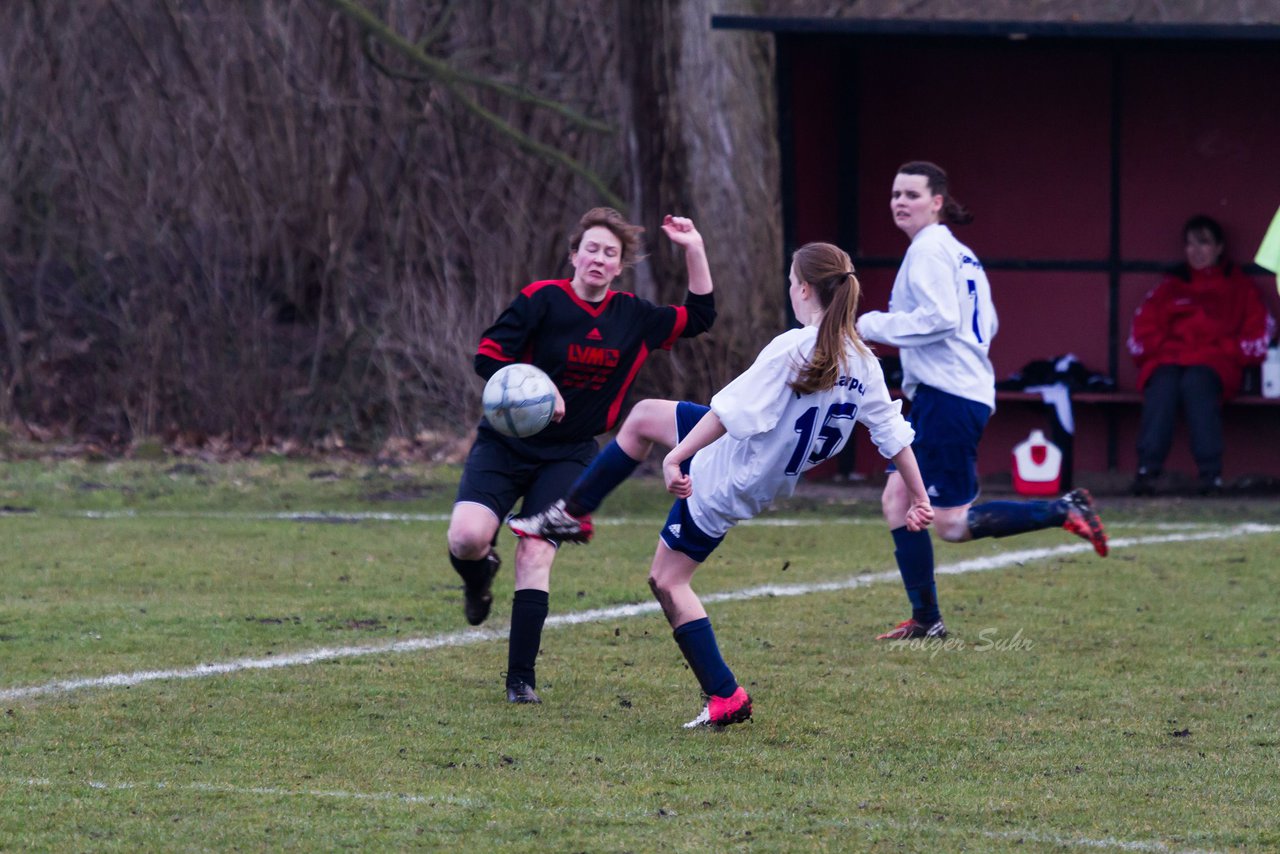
(519, 400)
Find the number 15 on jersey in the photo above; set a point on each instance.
(829, 438)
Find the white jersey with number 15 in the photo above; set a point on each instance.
(774, 434)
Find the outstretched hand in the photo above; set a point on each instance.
(919, 515)
(681, 230)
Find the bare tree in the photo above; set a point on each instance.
(289, 219)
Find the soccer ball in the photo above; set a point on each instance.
(519, 400)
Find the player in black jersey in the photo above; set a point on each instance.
(591, 340)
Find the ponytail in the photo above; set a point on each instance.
(828, 270)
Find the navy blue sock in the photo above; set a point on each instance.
(528, 613)
(610, 467)
(697, 641)
(1006, 518)
(914, 553)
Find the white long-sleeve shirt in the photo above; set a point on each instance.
(773, 435)
(941, 317)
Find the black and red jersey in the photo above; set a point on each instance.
(592, 351)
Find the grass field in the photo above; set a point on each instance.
(272, 655)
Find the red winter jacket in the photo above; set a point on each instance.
(1211, 317)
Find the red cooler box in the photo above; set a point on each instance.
(1037, 466)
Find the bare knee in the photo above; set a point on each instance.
(655, 587)
(650, 421)
(660, 587)
(894, 501)
(888, 505)
(534, 558)
(646, 410)
(661, 592)
(952, 524)
(470, 536)
(466, 545)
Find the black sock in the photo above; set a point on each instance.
(528, 612)
(473, 572)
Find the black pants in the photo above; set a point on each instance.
(1199, 390)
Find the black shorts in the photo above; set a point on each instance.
(499, 471)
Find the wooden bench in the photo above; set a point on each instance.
(1247, 422)
(1121, 398)
(1105, 440)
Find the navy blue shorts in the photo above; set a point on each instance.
(499, 472)
(679, 532)
(948, 428)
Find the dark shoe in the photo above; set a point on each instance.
(909, 629)
(477, 594)
(554, 523)
(1144, 484)
(1083, 521)
(722, 711)
(1210, 486)
(520, 691)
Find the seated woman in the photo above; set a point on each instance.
(1191, 339)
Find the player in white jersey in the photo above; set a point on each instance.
(774, 437)
(942, 318)
(793, 408)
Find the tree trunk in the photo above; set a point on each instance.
(701, 135)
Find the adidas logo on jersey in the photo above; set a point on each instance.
(932, 491)
(674, 530)
(594, 335)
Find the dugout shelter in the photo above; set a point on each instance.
(1081, 148)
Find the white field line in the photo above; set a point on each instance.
(473, 636)
(1107, 843)
(256, 791)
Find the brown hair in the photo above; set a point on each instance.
(627, 234)
(829, 271)
(952, 212)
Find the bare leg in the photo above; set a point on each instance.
(670, 578)
(951, 523)
(533, 564)
(472, 528)
(650, 421)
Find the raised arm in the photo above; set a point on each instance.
(682, 232)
